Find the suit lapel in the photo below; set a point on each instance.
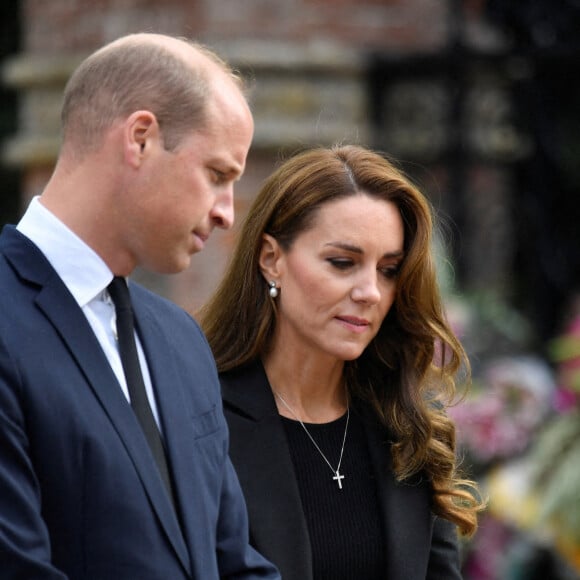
(404, 507)
(173, 412)
(83, 345)
(259, 450)
(67, 318)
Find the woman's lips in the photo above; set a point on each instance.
(354, 323)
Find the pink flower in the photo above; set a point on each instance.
(500, 418)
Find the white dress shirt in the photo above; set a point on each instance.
(86, 276)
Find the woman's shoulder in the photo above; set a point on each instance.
(246, 374)
(245, 390)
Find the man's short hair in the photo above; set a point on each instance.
(137, 75)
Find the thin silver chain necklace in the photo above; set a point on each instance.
(336, 472)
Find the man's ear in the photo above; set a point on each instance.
(270, 255)
(141, 131)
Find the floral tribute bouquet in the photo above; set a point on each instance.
(555, 458)
(522, 428)
(504, 410)
(565, 352)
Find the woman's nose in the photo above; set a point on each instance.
(366, 288)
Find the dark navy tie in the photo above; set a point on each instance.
(119, 293)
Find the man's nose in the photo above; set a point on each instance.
(222, 213)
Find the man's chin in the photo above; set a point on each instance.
(168, 268)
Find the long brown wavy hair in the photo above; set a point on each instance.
(408, 371)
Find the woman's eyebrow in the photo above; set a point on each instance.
(345, 246)
(357, 250)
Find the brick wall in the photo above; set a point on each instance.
(395, 24)
(306, 59)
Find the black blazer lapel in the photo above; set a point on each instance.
(259, 451)
(405, 507)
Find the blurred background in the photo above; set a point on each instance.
(480, 102)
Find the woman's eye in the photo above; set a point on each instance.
(390, 272)
(340, 263)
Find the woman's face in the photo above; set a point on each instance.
(338, 280)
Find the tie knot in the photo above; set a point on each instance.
(119, 293)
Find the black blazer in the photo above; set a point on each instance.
(419, 545)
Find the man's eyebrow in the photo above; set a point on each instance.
(357, 250)
(231, 169)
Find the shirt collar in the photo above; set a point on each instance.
(81, 269)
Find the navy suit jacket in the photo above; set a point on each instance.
(418, 546)
(80, 496)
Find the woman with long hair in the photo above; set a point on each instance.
(337, 364)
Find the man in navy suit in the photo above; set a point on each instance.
(156, 131)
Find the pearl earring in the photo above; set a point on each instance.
(273, 291)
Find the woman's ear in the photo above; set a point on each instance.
(270, 255)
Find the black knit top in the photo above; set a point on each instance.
(344, 524)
